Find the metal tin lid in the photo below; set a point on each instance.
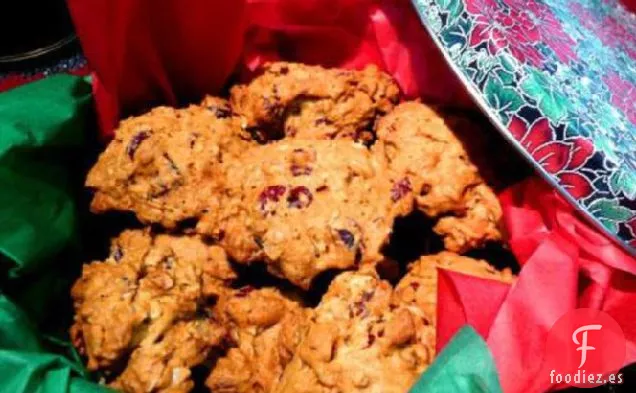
(558, 79)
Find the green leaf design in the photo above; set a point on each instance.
(507, 78)
(577, 127)
(508, 63)
(453, 7)
(504, 99)
(606, 145)
(611, 226)
(551, 102)
(609, 210)
(454, 37)
(623, 180)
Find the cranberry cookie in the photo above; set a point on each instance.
(310, 102)
(146, 285)
(428, 159)
(264, 328)
(419, 286)
(304, 207)
(164, 365)
(357, 341)
(165, 165)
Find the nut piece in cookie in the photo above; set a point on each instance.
(310, 102)
(357, 341)
(419, 286)
(140, 291)
(307, 206)
(426, 157)
(264, 327)
(165, 165)
(164, 365)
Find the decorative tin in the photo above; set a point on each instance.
(558, 78)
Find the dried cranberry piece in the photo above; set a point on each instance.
(298, 170)
(359, 308)
(415, 285)
(221, 112)
(381, 333)
(347, 237)
(135, 141)
(291, 131)
(299, 197)
(301, 160)
(270, 194)
(228, 341)
(322, 120)
(400, 189)
(193, 139)
(244, 291)
(259, 242)
(117, 254)
(371, 339)
(168, 263)
(172, 164)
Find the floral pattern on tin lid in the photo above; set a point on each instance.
(559, 78)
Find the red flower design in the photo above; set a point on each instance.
(513, 30)
(549, 28)
(560, 158)
(631, 224)
(623, 95)
(610, 31)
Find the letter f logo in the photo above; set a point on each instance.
(584, 347)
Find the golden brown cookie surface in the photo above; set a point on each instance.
(305, 207)
(135, 296)
(265, 328)
(311, 102)
(419, 286)
(165, 165)
(164, 365)
(357, 341)
(426, 158)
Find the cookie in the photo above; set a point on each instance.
(304, 207)
(165, 165)
(146, 285)
(264, 329)
(310, 102)
(427, 159)
(419, 286)
(357, 341)
(164, 365)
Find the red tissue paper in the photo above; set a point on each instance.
(566, 264)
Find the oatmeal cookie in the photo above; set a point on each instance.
(357, 341)
(164, 365)
(428, 159)
(310, 102)
(305, 207)
(136, 295)
(165, 165)
(419, 286)
(265, 328)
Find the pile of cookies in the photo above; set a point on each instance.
(304, 170)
